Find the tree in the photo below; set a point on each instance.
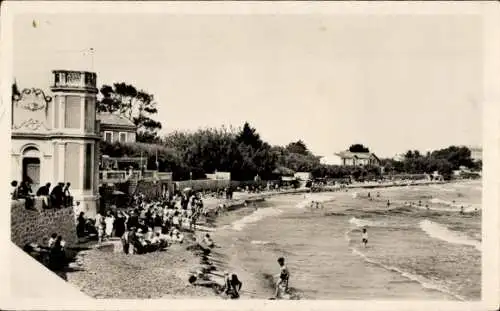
(249, 136)
(408, 155)
(478, 165)
(358, 148)
(457, 156)
(298, 147)
(136, 105)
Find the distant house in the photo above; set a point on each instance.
(219, 176)
(303, 176)
(476, 153)
(116, 128)
(399, 157)
(348, 158)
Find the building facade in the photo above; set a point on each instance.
(116, 128)
(476, 153)
(348, 158)
(55, 138)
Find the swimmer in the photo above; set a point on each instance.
(364, 239)
(284, 277)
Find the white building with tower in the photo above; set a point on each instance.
(55, 136)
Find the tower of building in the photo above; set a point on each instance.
(75, 136)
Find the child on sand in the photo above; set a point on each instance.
(232, 285)
(364, 237)
(282, 284)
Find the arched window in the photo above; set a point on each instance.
(31, 165)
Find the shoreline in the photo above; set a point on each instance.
(250, 278)
(180, 261)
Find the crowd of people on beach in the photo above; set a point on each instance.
(149, 225)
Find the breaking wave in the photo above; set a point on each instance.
(366, 223)
(413, 277)
(260, 242)
(440, 232)
(259, 214)
(314, 198)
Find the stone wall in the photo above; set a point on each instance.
(34, 225)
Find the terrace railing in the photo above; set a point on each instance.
(106, 176)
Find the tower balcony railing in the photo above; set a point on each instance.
(65, 79)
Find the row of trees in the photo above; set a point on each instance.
(242, 151)
(445, 161)
(239, 151)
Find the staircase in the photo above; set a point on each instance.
(132, 185)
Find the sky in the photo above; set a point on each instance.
(391, 82)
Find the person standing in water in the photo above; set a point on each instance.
(364, 239)
(282, 284)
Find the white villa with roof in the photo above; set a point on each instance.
(348, 158)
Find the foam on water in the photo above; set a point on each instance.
(455, 206)
(413, 277)
(260, 242)
(321, 198)
(366, 223)
(259, 214)
(440, 232)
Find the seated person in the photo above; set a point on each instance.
(232, 286)
(57, 195)
(208, 241)
(186, 223)
(138, 243)
(178, 237)
(52, 240)
(43, 190)
(14, 191)
(24, 192)
(160, 241)
(149, 235)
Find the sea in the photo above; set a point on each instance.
(424, 245)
